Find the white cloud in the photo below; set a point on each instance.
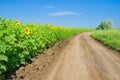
(48, 6)
(62, 13)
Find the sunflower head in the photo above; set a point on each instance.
(53, 28)
(27, 31)
(17, 22)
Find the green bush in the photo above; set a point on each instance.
(105, 24)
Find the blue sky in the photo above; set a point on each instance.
(69, 13)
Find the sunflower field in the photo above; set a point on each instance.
(19, 43)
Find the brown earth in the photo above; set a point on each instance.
(77, 58)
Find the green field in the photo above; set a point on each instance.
(108, 37)
(19, 43)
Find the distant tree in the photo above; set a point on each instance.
(105, 24)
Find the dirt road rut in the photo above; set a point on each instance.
(86, 59)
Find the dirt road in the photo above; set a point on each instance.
(86, 59)
(80, 58)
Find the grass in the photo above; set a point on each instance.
(108, 37)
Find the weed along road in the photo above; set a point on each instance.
(86, 59)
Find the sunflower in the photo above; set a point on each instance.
(27, 30)
(53, 28)
(17, 22)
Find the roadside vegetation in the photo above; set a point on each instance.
(107, 34)
(19, 43)
(108, 37)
